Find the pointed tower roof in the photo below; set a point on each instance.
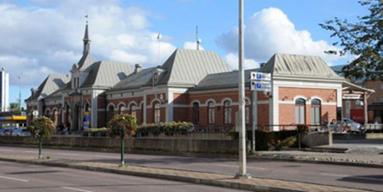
(85, 60)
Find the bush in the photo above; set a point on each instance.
(169, 129)
(270, 140)
(96, 132)
(121, 125)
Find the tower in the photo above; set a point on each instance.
(4, 90)
(86, 38)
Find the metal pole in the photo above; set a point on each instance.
(241, 101)
(254, 110)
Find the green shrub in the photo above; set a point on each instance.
(169, 129)
(96, 132)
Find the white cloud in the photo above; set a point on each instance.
(232, 60)
(46, 36)
(192, 45)
(270, 31)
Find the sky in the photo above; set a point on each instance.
(41, 37)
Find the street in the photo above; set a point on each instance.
(336, 175)
(33, 178)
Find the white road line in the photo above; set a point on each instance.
(250, 167)
(14, 179)
(76, 189)
(334, 175)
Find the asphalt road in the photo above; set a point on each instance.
(336, 175)
(32, 178)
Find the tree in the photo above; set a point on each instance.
(41, 128)
(362, 39)
(122, 125)
(15, 107)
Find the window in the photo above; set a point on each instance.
(315, 112)
(132, 109)
(300, 105)
(195, 114)
(110, 112)
(211, 112)
(227, 112)
(121, 109)
(157, 112)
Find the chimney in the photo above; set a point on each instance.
(137, 68)
(33, 91)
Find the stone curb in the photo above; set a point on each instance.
(313, 160)
(175, 177)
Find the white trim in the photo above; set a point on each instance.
(195, 100)
(111, 104)
(275, 106)
(226, 99)
(155, 99)
(339, 95)
(301, 97)
(131, 103)
(213, 91)
(169, 107)
(291, 102)
(316, 97)
(121, 103)
(210, 99)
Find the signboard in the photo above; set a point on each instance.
(258, 76)
(260, 81)
(351, 96)
(35, 113)
(260, 86)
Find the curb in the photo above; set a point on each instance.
(295, 159)
(188, 179)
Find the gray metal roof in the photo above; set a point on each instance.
(136, 80)
(187, 67)
(50, 84)
(222, 80)
(299, 66)
(106, 74)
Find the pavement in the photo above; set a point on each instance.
(35, 178)
(269, 175)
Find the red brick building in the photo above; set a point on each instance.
(191, 85)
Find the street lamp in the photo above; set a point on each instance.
(241, 100)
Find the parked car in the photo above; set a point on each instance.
(351, 126)
(17, 131)
(6, 132)
(1, 131)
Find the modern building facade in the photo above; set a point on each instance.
(4, 90)
(191, 85)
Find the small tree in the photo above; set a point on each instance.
(122, 125)
(41, 128)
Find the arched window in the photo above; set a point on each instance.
(211, 112)
(157, 112)
(132, 109)
(300, 105)
(121, 108)
(315, 112)
(195, 114)
(227, 112)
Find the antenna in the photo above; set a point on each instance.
(86, 19)
(159, 47)
(196, 37)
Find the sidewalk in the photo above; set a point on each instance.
(254, 184)
(370, 160)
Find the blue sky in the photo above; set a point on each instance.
(44, 36)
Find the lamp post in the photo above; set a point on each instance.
(241, 100)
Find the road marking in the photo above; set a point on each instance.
(250, 167)
(334, 175)
(14, 179)
(76, 189)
